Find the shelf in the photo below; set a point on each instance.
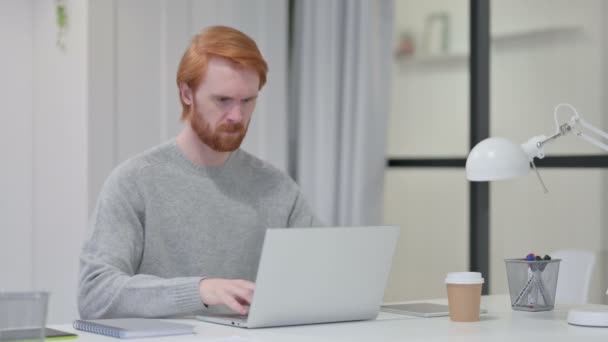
(459, 58)
(539, 32)
(434, 60)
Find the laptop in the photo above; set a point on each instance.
(318, 275)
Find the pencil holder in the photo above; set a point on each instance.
(532, 284)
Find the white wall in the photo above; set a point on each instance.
(431, 206)
(44, 133)
(540, 60)
(429, 117)
(430, 94)
(59, 150)
(16, 117)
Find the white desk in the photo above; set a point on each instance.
(501, 323)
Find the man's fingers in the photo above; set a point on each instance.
(247, 284)
(233, 304)
(237, 294)
(243, 302)
(244, 294)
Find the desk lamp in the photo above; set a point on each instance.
(498, 158)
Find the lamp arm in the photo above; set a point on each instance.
(593, 129)
(534, 147)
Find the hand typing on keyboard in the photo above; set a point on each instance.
(237, 294)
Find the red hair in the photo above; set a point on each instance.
(220, 41)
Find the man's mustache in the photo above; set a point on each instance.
(231, 127)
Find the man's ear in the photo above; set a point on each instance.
(186, 94)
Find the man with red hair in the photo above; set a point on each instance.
(179, 228)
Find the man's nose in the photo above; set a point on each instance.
(235, 114)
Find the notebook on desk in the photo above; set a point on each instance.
(318, 275)
(133, 327)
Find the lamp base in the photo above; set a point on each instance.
(589, 316)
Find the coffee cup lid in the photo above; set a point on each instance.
(464, 278)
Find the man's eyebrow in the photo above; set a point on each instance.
(230, 97)
(220, 95)
(224, 95)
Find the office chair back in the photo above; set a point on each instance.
(575, 271)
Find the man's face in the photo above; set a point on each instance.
(223, 103)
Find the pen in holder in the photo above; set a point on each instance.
(532, 283)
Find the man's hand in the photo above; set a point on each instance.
(237, 294)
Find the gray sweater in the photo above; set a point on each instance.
(162, 223)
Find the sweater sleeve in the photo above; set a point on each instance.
(302, 215)
(109, 284)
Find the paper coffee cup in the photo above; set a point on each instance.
(464, 295)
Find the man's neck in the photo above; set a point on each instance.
(198, 152)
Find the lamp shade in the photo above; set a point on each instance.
(496, 159)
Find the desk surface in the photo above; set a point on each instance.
(501, 323)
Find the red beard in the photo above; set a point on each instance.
(226, 138)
